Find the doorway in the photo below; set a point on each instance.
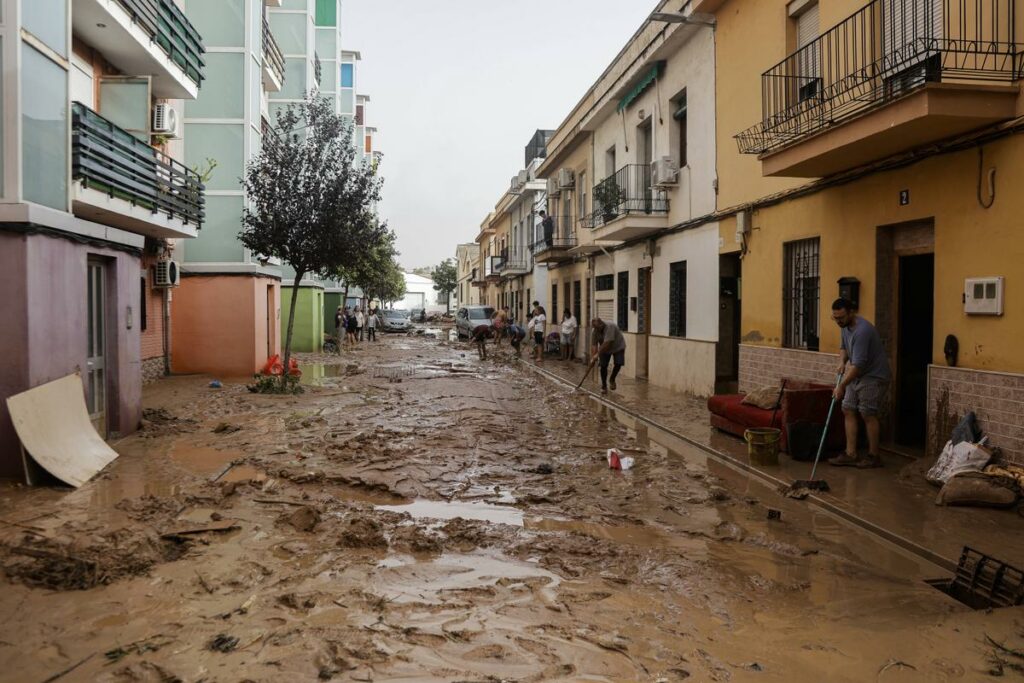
(271, 319)
(727, 351)
(96, 346)
(643, 322)
(915, 314)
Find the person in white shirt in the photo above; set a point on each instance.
(569, 331)
(538, 325)
(360, 322)
(371, 326)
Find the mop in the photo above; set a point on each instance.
(813, 484)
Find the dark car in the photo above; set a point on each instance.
(469, 317)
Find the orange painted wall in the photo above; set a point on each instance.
(221, 326)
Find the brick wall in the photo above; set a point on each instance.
(765, 365)
(152, 337)
(996, 398)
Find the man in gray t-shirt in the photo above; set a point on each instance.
(865, 372)
(608, 344)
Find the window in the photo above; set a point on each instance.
(677, 299)
(801, 293)
(577, 303)
(326, 12)
(144, 294)
(581, 195)
(609, 161)
(604, 283)
(359, 114)
(44, 125)
(554, 303)
(622, 297)
(679, 114)
(806, 33)
(348, 75)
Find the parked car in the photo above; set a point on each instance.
(469, 317)
(396, 321)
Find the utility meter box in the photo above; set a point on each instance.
(983, 296)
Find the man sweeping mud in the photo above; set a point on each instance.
(481, 333)
(609, 344)
(865, 370)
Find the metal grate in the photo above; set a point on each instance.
(677, 299)
(801, 293)
(983, 582)
(622, 299)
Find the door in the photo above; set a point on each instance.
(643, 322)
(727, 352)
(644, 155)
(96, 346)
(915, 315)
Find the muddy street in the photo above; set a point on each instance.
(420, 515)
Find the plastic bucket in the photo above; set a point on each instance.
(763, 445)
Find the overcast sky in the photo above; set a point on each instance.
(458, 87)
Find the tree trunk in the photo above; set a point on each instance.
(447, 303)
(291, 324)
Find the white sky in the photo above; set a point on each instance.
(458, 87)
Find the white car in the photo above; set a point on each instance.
(396, 321)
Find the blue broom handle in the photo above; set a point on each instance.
(824, 432)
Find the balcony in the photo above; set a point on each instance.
(273, 61)
(514, 261)
(627, 206)
(556, 249)
(492, 268)
(122, 182)
(145, 37)
(896, 75)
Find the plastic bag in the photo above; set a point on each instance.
(618, 461)
(957, 459)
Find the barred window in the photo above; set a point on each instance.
(577, 302)
(622, 296)
(801, 293)
(677, 299)
(604, 283)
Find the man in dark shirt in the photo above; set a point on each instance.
(865, 372)
(609, 344)
(548, 225)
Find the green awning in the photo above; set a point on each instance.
(649, 77)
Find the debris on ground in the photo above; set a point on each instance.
(222, 642)
(226, 428)
(158, 422)
(304, 518)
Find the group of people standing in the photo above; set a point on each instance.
(352, 325)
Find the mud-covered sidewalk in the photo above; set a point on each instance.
(420, 515)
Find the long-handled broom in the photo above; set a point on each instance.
(813, 484)
(585, 375)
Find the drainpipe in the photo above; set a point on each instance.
(167, 331)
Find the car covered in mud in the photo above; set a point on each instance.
(469, 317)
(396, 321)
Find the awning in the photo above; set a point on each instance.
(648, 77)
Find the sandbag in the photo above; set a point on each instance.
(966, 430)
(956, 459)
(978, 489)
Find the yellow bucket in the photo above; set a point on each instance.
(763, 445)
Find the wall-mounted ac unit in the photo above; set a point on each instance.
(513, 185)
(166, 274)
(524, 177)
(566, 179)
(664, 172)
(553, 185)
(983, 296)
(165, 121)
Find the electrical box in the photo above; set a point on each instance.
(983, 296)
(743, 226)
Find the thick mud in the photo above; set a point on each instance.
(418, 515)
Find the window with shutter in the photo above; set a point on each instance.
(807, 31)
(677, 299)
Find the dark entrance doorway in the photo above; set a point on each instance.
(727, 352)
(915, 313)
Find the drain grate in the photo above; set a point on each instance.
(393, 373)
(983, 582)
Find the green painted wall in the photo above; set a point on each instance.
(308, 333)
(331, 302)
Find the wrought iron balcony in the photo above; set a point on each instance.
(514, 261)
(886, 50)
(627, 192)
(172, 31)
(159, 194)
(273, 59)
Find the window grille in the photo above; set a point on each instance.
(801, 293)
(677, 299)
(622, 296)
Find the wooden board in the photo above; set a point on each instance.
(53, 424)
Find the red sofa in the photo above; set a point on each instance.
(801, 401)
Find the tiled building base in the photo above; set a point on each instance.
(997, 399)
(765, 365)
(152, 369)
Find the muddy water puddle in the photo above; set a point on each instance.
(444, 510)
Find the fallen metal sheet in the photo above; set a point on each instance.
(55, 431)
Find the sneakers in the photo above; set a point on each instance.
(604, 390)
(862, 463)
(611, 385)
(869, 462)
(844, 460)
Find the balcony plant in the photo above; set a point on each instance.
(609, 196)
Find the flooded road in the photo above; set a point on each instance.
(417, 515)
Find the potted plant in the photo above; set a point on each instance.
(608, 195)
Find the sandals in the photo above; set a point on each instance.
(844, 460)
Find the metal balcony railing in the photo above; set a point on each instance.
(514, 258)
(627, 192)
(563, 236)
(885, 50)
(272, 54)
(110, 159)
(172, 31)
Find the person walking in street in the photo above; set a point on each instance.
(350, 328)
(865, 372)
(609, 345)
(339, 323)
(547, 224)
(360, 322)
(538, 325)
(568, 335)
(371, 326)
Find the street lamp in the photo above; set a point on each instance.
(675, 18)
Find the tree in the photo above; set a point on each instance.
(309, 203)
(376, 271)
(446, 279)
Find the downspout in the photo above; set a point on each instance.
(167, 331)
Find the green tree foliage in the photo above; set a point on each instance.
(446, 279)
(310, 204)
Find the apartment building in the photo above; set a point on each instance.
(94, 197)
(875, 152)
(467, 258)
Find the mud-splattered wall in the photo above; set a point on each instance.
(997, 399)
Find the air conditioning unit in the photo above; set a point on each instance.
(165, 120)
(664, 171)
(566, 179)
(523, 177)
(514, 184)
(166, 274)
(983, 296)
(553, 185)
